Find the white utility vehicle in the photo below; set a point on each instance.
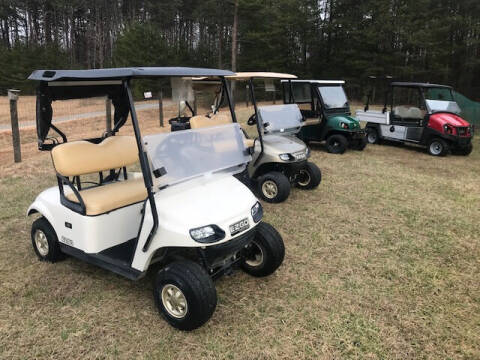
(184, 212)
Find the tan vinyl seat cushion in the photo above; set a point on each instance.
(311, 121)
(201, 121)
(217, 119)
(248, 142)
(105, 198)
(83, 157)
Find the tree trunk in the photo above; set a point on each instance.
(234, 46)
(234, 37)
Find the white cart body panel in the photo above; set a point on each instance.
(373, 116)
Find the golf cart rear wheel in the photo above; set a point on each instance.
(273, 187)
(45, 241)
(337, 144)
(185, 295)
(309, 177)
(372, 135)
(265, 253)
(437, 147)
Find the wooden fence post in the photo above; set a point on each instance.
(246, 95)
(13, 97)
(160, 107)
(108, 110)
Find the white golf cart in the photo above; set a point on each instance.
(184, 212)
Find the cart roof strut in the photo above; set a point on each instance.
(260, 75)
(335, 82)
(416, 84)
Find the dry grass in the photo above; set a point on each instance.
(382, 262)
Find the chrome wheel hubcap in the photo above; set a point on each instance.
(41, 242)
(256, 256)
(305, 178)
(436, 148)
(269, 189)
(174, 301)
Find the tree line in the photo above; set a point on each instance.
(413, 40)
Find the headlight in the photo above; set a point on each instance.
(207, 234)
(343, 125)
(307, 152)
(286, 157)
(448, 129)
(257, 212)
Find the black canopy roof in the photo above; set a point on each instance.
(124, 73)
(416, 84)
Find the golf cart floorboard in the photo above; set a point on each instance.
(115, 259)
(122, 252)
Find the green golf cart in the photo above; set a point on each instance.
(327, 115)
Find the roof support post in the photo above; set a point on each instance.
(147, 176)
(259, 126)
(230, 105)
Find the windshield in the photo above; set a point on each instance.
(333, 97)
(183, 155)
(280, 118)
(441, 99)
(442, 94)
(439, 105)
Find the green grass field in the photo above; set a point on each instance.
(382, 261)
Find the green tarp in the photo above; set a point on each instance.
(470, 109)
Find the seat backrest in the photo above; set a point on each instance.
(401, 111)
(82, 157)
(415, 113)
(201, 121)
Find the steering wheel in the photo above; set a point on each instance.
(252, 120)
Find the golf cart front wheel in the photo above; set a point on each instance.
(360, 144)
(437, 147)
(265, 253)
(45, 241)
(274, 187)
(337, 144)
(309, 177)
(185, 295)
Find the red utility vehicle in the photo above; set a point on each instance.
(420, 113)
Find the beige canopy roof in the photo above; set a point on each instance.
(259, 75)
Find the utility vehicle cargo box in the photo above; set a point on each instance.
(373, 116)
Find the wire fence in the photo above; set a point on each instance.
(87, 118)
(78, 119)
